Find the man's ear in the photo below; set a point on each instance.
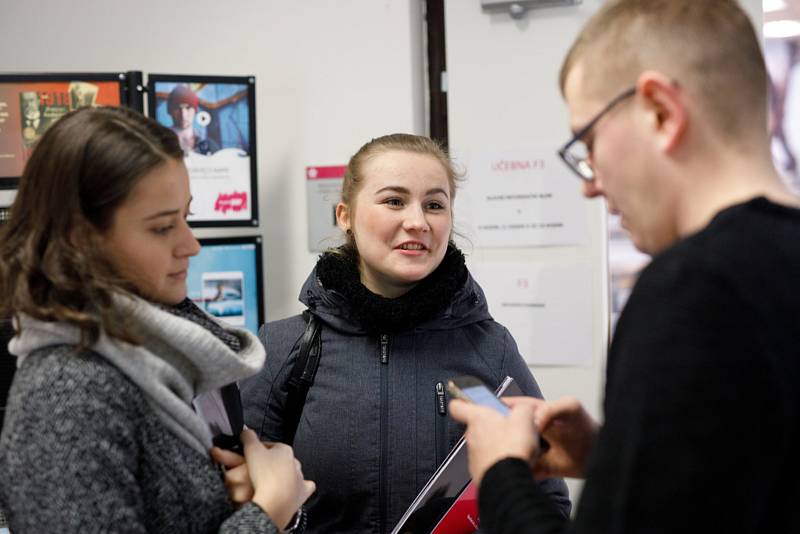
(343, 216)
(665, 104)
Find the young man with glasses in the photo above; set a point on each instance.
(668, 102)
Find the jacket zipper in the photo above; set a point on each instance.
(441, 423)
(384, 463)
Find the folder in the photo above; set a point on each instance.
(448, 503)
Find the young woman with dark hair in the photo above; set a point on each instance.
(100, 433)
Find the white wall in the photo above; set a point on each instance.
(330, 75)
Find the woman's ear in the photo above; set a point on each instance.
(83, 235)
(343, 217)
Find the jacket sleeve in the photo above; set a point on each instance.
(264, 394)
(70, 457)
(515, 367)
(510, 501)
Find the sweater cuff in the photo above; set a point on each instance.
(249, 518)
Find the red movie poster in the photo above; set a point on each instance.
(28, 109)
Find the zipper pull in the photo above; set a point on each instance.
(441, 400)
(384, 348)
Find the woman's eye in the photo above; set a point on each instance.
(394, 202)
(435, 205)
(163, 230)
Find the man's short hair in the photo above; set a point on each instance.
(181, 94)
(709, 47)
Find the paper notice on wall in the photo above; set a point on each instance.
(520, 198)
(323, 193)
(547, 308)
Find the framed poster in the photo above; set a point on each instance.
(225, 280)
(214, 119)
(31, 103)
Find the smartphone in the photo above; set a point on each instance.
(222, 410)
(472, 389)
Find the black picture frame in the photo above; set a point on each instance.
(207, 141)
(84, 88)
(198, 268)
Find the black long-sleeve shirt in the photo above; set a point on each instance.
(702, 395)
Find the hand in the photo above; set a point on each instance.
(492, 437)
(568, 428)
(237, 478)
(279, 487)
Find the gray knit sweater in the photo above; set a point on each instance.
(86, 447)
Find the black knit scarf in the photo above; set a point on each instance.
(377, 314)
(188, 310)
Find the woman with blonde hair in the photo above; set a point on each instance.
(399, 315)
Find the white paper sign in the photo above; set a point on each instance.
(521, 198)
(220, 185)
(323, 193)
(547, 308)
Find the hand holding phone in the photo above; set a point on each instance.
(471, 389)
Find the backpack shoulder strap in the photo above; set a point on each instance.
(302, 376)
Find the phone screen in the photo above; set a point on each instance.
(481, 395)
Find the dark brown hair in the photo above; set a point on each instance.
(708, 46)
(80, 172)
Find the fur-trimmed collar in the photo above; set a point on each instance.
(338, 271)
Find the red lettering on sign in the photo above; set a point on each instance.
(235, 201)
(505, 165)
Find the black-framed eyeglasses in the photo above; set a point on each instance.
(576, 153)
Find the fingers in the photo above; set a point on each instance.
(523, 413)
(309, 487)
(278, 447)
(466, 412)
(227, 458)
(538, 407)
(533, 402)
(237, 481)
(249, 439)
(566, 405)
(547, 412)
(459, 410)
(251, 442)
